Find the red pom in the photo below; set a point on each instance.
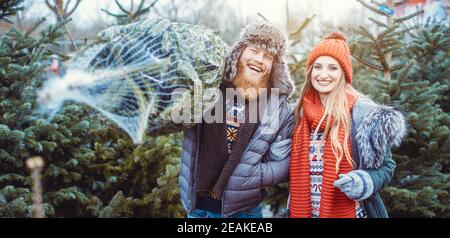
(336, 36)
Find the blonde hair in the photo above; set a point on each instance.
(336, 107)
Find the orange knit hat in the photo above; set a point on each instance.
(333, 45)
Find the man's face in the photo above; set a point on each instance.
(254, 68)
(256, 63)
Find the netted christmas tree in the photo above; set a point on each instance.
(406, 65)
(92, 169)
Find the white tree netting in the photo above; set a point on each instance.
(132, 72)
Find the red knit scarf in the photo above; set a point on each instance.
(333, 202)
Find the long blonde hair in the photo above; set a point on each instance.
(336, 107)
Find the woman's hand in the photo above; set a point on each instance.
(356, 185)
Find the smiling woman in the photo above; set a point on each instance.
(331, 172)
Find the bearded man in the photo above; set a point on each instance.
(226, 165)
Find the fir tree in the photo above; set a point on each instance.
(130, 15)
(21, 59)
(9, 8)
(92, 169)
(407, 67)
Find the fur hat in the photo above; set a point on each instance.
(266, 36)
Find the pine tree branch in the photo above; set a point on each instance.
(52, 32)
(153, 4)
(14, 178)
(140, 11)
(121, 8)
(374, 57)
(113, 14)
(34, 26)
(381, 55)
(366, 33)
(130, 14)
(402, 19)
(406, 30)
(389, 42)
(365, 43)
(387, 50)
(429, 51)
(141, 4)
(52, 7)
(398, 66)
(371, 8)
(368, 64)
(67, 6)
(304, 24)
(73, 9)
(386, 32)
(397, 51)
(292, 56)
(404, 72)
(262, 16)
(381, 24)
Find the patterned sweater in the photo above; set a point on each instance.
(316, 151)
(235, 113)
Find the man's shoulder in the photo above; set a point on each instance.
(287, 106)
(287, 112)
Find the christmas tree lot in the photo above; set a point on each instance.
(406, 65)
(92, 168)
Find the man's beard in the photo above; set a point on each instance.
(249, 88)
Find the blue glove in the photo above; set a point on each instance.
(357, 185)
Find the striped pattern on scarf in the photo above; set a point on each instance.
(334, 203)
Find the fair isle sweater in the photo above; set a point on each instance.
(316, 150)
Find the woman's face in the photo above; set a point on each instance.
(325, 75)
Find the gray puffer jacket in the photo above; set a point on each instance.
(264, 162)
